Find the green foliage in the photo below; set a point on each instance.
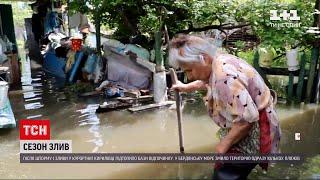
(79, 88)
(247, 56)
(135, 17)
(149, 23)
(20, 12)
(257, 14)
(277, 37)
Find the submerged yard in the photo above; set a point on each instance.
(152, 131)
(126, 46)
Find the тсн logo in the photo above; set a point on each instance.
(34, 129)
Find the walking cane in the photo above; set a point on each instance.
(174, 80)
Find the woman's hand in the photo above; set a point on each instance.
(221, 149)
(193, 86)
(239, 130)
(181, 87)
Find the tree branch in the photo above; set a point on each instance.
(206, 28)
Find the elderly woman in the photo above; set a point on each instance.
(238, 101)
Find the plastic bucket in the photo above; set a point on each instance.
(3, 94)
(76, 44)
(292, 61)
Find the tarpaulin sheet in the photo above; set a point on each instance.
(126, 72)
(7, 119)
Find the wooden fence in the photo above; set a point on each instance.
(307, 88)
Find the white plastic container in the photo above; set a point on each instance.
(292, 59)
(3, 94)
(160, 87)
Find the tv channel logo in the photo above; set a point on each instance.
(277, 15)
(290, 19)
(34, 129)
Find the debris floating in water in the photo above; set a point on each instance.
(36, 105)
(35, 116)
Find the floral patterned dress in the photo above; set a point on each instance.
(238, 93)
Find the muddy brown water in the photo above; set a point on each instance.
(146, 132)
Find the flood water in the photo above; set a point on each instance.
(153, 131)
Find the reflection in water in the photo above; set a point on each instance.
(31, 94)
(33, 99)
(31, 91)
(90, 118)
(95, 130)
(36, 105)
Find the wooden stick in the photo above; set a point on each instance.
(174, 80)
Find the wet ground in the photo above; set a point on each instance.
(155, 131)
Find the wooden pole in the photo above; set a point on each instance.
(69, 29)
(1, 31)
(316, 23)
(167, 40)
(317, 95)
(179, 111)
(158, 54)
(317, 89)
(98, 34)
(301, 77)
(311, 77)
(314, 55)
(290, 88)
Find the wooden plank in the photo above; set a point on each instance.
(90, 94)
(14, 69)
(144, 92)
(133, 94)
(151, 106)
(4, 69)
(311, 77)
(112, 106)
(140, 99)
(279, 71)
(301, 77)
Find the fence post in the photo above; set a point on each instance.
(158, 54)
(311, 77)
(290, 87)
(301, 77)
